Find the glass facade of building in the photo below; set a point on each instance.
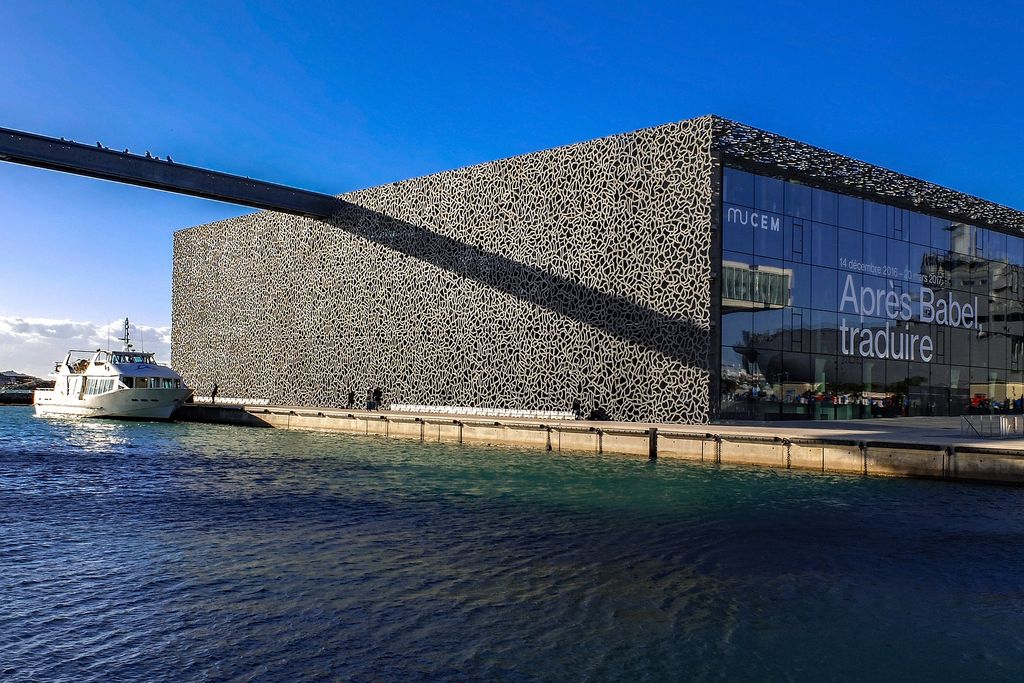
(835, 307)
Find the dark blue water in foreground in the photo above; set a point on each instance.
(149, 552)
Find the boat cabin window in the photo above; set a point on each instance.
(151, 383)
(99, 385)
(124, 357)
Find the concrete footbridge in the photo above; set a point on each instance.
(97, 161)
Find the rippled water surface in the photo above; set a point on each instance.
(141, 552)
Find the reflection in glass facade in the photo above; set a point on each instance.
(835, 307)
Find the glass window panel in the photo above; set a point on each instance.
(797, 322)
(824, 242)
(851, 369)
(896, 383)
(735, 257)
(938, 337)
(998, 389)
(958, 390)
(937, 273)
(766, 329)
(958, 270)
(998, 351)
(1015, 382)
(899, 224)
(800, 284)
(1000, 282)
(868, 303)
(732, 390)
(824, 369)
(873, 375)
(917, 261)
(737, 233)
(768, 262)
(1004, 314)
(824, 205)
(768, 194)
(1015, 250)
(739, 187)
(768, 366)
(939, 395)
(736, 327)
(958, 343)
(798, 200)
(798, 368)
(920, 228)
(979, 349)
(941, 231)
(875, 251)
(797, 240)
(851, 212)
(981, 397)
(768, 240)
(848, 283)
(851, 246)
(997, 249)
(979, 242)
(824, 332)
(737, 281)
(732, 360)
(898, 258)
(769, 282)
(918, 390)
(978, 278)
(961, 238)
(875, 218)
(862, 336)
(824, 294)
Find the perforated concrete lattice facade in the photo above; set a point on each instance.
(580, 273)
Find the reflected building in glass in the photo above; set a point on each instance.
(839, 306)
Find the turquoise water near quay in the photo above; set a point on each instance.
(144, 551)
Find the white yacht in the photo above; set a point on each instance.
(119, 384)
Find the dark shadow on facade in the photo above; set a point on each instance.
(613, 314)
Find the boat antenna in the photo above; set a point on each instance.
(126, 339)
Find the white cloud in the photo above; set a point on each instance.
(32, 345)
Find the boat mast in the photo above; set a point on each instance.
(125, 338)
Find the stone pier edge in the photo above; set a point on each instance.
(711, 444)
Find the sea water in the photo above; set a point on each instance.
(146, 551)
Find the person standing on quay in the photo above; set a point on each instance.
(213, 394)
(369, 399)
(378, 398)
(351, 400)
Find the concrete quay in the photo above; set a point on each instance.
(910, 447)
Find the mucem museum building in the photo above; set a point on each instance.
(692, 272)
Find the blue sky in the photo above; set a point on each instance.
(334, 97)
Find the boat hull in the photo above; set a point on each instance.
(130, 404)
